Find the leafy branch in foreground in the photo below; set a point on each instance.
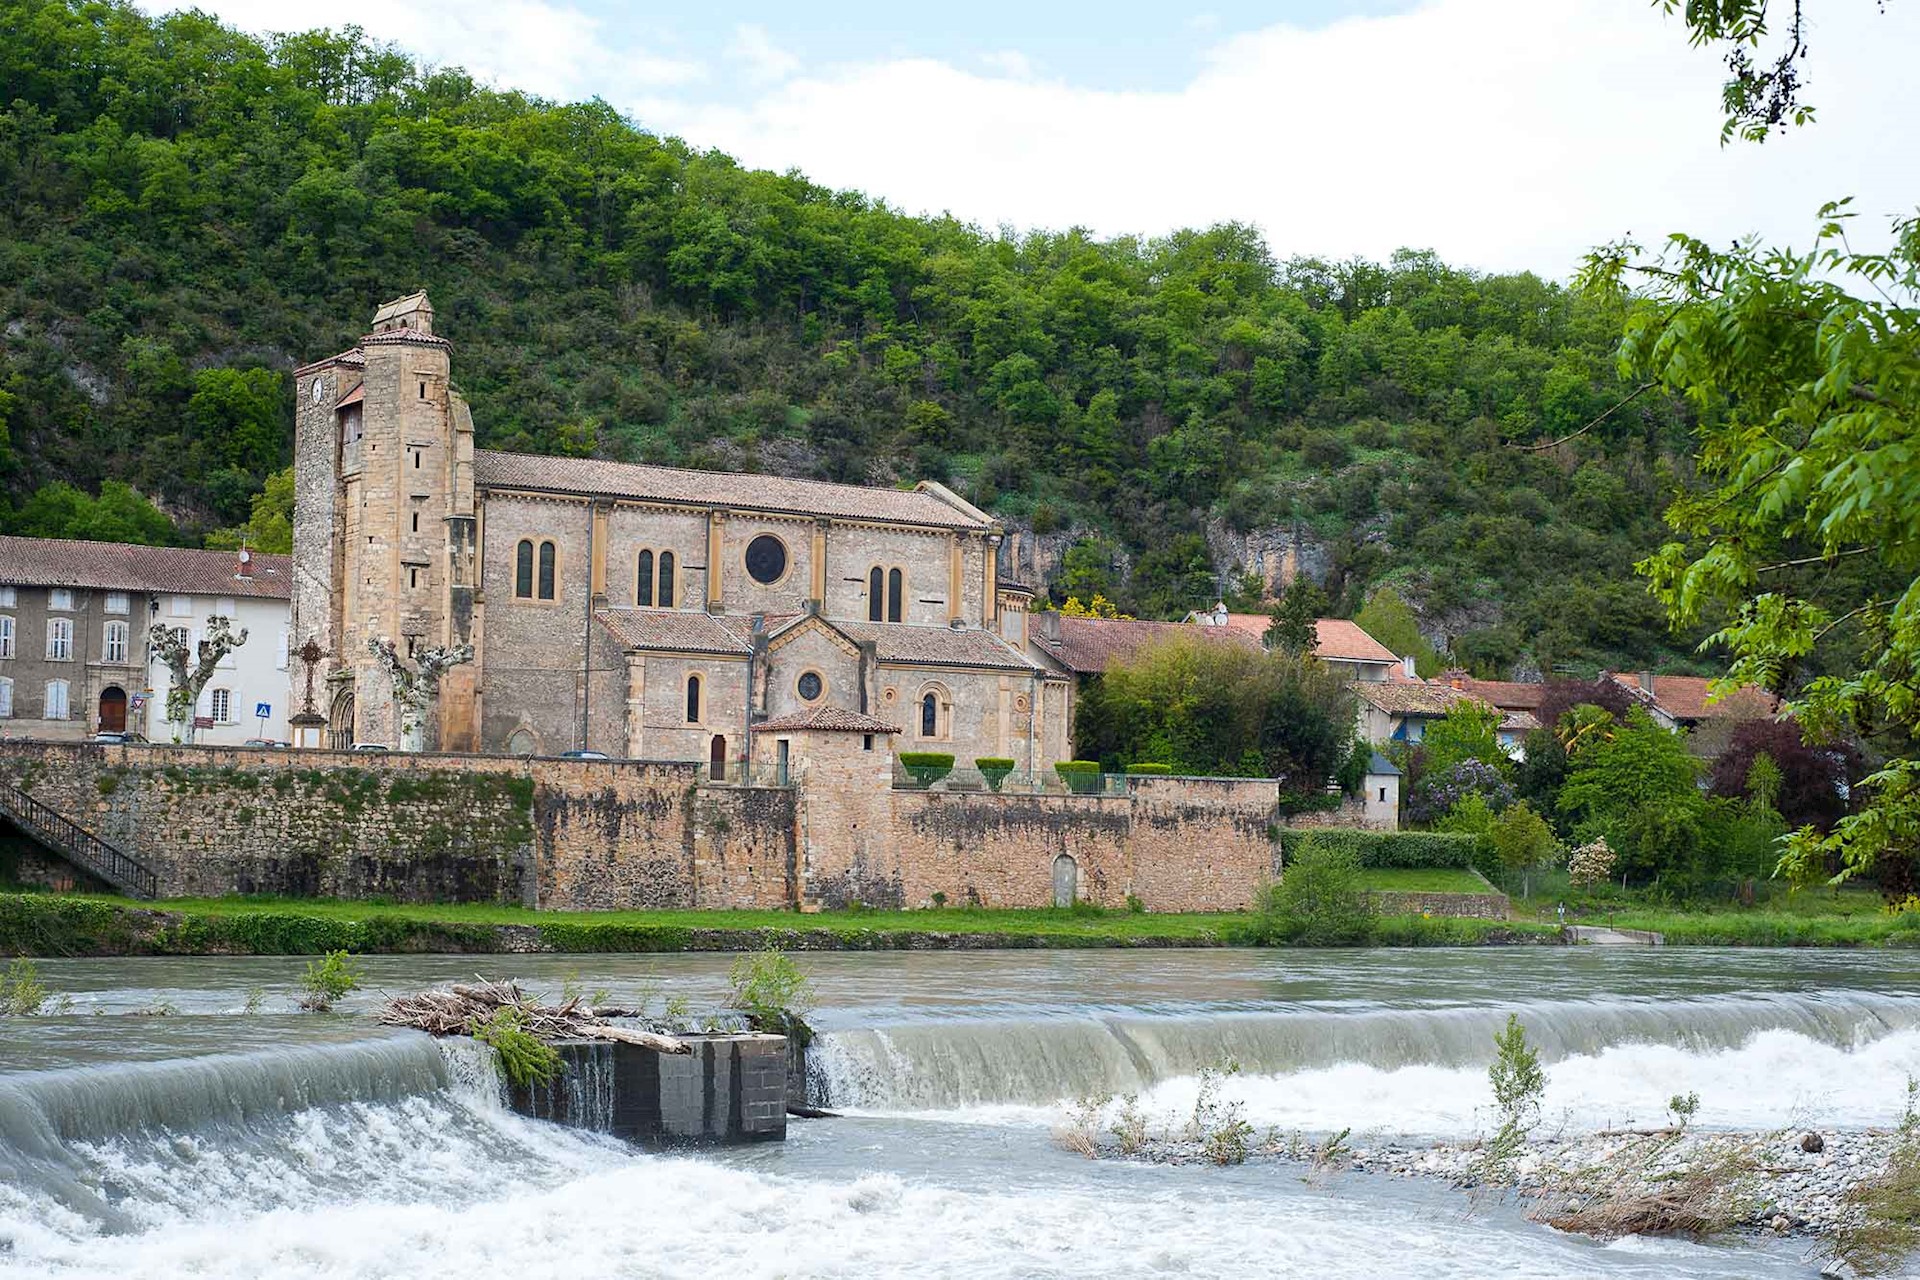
(327, 979)
(524, 1057)
(1803, 544)
(21, 992)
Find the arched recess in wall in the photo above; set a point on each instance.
(523, 742)
(933, 712)
(340, 721)
(1066, 880)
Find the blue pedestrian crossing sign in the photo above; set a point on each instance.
(263, 709)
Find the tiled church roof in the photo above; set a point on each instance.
(121, 566)
(676, 630)
(899, 644)
(493, 470)
(825, 720)
(1088, 646)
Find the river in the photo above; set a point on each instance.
(234, 1137)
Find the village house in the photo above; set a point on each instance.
(1341, 644)
(639, 611)
(74, 655)
(1686, 703)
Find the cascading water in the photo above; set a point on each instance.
(951, 1064)
(326, 1148)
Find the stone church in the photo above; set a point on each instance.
(640, 611)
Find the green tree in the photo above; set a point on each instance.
(1635, 785)
(270, 527)
(119, 514)
(1522, 841)
(1292, 627)
(1806, 538)
(1390, 619)
(242, 415)
(1321, 900)
(1469, 731)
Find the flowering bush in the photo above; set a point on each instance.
(1590, 865)
(1437, 793)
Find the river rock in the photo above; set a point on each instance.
(1813, 1143)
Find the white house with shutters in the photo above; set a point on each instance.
(74, 621)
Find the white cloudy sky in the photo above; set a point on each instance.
(1503, 133)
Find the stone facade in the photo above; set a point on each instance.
(594, 592)
(616, 834)
(1464, 906)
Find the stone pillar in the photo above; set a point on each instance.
(956, 579)
(819, 563)
(716, 551)
(636, 705)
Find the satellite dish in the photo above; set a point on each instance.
(246, 556)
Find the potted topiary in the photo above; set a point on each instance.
(994, 769)
(1081, 776)
(926, 767)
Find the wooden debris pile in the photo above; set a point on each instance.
(459, 1009)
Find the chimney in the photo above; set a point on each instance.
(1050, 623)
(244, 569)
(1646, 682)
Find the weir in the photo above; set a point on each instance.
(729, 1089)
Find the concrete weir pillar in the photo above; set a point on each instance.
(731, 1089)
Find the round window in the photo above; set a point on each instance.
(809, 685)
(766, 559)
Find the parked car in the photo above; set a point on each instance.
(371, 746)
(117, 738)
(264, 742)
(585, 755)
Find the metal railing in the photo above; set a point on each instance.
(77, 844)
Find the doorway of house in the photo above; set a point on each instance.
(717, 758)
(113, 709)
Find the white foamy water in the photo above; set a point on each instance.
(330, 1150)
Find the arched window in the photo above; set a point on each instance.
(643, 580)
(523, 570)
(876, 594)
(665, 593)
(546, 570)
(930, 716)
(521, 742)
(693, 699)
(896, 595)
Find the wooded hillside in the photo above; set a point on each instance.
(187, 212)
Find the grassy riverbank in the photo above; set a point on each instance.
(1780, 916)
(54, 925)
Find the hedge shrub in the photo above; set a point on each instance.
(994, 769)
(1081, 776)
(927, 767)
(1409, 849)
(1149, 769)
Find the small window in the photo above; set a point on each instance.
(9, 598)
(59, 639)
(810, 686)
(223, 607)
(896, 595)
(930, 716)
(56, 700)
(416, 458)
(666, 580)
(523, 570)
(182, 606)
(413, 576)
(6, 697)
(116, 602)
(6, 637)
(876, 594)
(547, 556)
(416, 522)
(643, 579)
(60, 598)
(113, 642)
(766, 559)
(280, 655)
(423, 386)
(693, 699)
(1383, 795)
(866, 742)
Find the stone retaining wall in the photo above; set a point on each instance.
(1465, 906)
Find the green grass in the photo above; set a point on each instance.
(1423, 880)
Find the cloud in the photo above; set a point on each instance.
(554, 50)
(1009, 62)
(1503, 133)
(765, 63)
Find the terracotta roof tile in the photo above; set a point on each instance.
(1332, 637)
(123, 566)
(353, 356)
(825, 720)
(676, 630)
(1508, 695)
(899, 644)
(1688, 698)
(1088, 646)
(780, 494)
(407, 337)
(1408, 699)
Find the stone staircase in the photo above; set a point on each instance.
(76, 844)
